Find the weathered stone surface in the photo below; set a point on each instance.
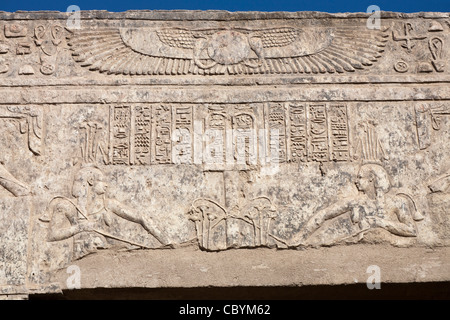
(189, 149)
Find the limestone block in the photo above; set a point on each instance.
(187, 149)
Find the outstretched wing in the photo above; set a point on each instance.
(332, 50)
(105, 50)
(349, 50)
(284, 51)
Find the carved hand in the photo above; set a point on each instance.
(375, 222)
(86, 226)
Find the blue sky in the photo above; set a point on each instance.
(234, 5)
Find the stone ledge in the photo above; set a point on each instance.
(192, 268)
(213, 15)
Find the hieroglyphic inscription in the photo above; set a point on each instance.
(182, 138)
(436, 46)
(409, 36)
(298, 142)
(120, 134)
(318, 133)
(230, 134)
(338, 133)
(30, 121)
(277, 132)
(369, 147)
(427, 117)
(142, 136)
(162, 131)
(244, 136)
(92, 146)
(33, 49)
(49, 42)
(215, 134)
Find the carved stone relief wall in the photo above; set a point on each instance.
(246, 148)
(38, 48)
(155, 134)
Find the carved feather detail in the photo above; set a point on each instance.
(341, 50)
(277, 37)
(180, 38)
